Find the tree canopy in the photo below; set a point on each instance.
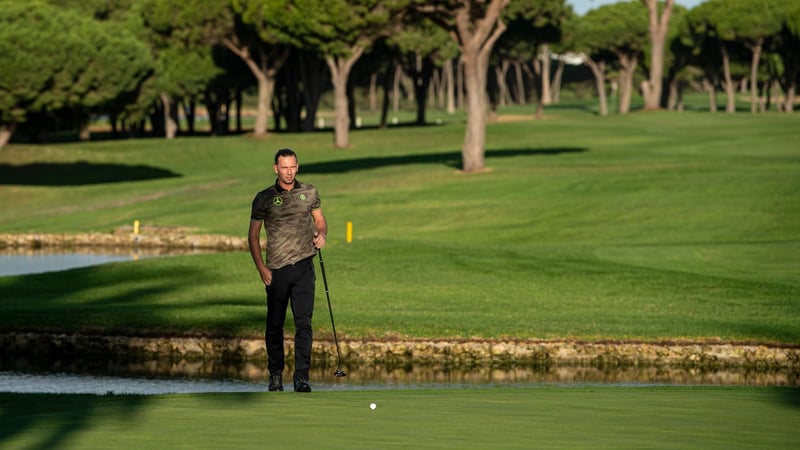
(143, 59)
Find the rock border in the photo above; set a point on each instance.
(448, 353)
(125, 237)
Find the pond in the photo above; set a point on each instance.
(22, 375)
(24, 261)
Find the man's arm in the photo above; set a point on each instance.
(254, 242)
(320, 227)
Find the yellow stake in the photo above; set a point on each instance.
(135, 227)
(349, 232)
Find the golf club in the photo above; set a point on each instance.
(339, 372)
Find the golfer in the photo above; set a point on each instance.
(295, 227)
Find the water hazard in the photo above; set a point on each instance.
(165, 377)
(24, 261)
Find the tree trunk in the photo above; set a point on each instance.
(472, 151)
(170, 126)
(658, 32)
(788, 105)
(599, 71)
(712, 95)
(373, 92)
(84, 133)
(557, 77)
(520, 81)
(545, 76)
(398, 74)
(537, 83)
(729, 85)
(476, 39)
(460, 83)
(266, 90)
(340, 68)
(423, 69)
(672, 98)
(6, 131)
(754, 74)
(451, 86)
(387, 85)
(628, 65)
(189, 112)
(501, 72)
(312, 78)
(265, 70)
(238, 110)
(436, 92)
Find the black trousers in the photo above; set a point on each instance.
(291, 285)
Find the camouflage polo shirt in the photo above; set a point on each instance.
(287, 219)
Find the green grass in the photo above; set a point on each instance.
(548, 417)
(648, 226)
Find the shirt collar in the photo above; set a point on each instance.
(280, 189)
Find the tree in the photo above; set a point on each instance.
(757, 23)
(421, 45)
(620, 30)
(677, 59)
(787, 45)
(736, 25)
(475, 26)
(48, 69)
(532, 28)
(263, 46)
(181, 34)
(658, 25)
(341, 30)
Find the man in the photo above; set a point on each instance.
(295, 226)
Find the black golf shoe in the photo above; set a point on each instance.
(275, 383)
(301, 385)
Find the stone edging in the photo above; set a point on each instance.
(466, 353)
(124, 237)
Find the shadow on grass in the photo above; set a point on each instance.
(115, 299)
(451, 159)
(791, 397)
(77, 173)
(47, 421)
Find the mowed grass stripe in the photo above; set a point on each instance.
(548, 417)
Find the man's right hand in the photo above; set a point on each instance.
(266, 276)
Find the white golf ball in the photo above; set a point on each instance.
(372, 406)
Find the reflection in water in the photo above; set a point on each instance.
(159, 377)
(23, 261)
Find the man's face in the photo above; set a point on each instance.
(286, 169)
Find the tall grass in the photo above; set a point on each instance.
(645, 226)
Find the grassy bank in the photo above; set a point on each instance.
(649, 226)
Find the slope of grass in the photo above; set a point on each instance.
(651, 225)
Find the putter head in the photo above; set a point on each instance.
(339, 373)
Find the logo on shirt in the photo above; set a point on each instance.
(277, 201)
(303, 197)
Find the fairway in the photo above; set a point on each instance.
(656, 227)
(548, 417)
(652, 226)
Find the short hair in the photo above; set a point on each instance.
(284, 152)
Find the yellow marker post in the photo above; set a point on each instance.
(135, 227)
(349, 232)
